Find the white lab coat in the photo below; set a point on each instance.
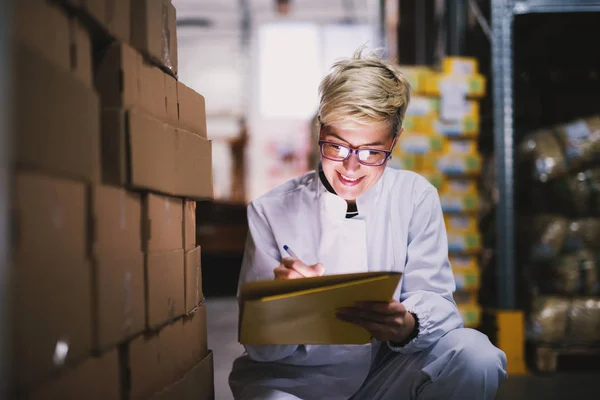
(400, 227)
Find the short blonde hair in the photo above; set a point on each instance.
(364, 90)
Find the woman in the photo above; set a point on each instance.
(354, 215)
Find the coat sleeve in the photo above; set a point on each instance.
(428, 283)
(260, 259)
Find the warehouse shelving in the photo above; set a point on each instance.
(503, 14)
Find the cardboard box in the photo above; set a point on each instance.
(143, 152)
(172, 104)
(116, 220)
(125, 80)
(189, 224)
(192, 110)
(44, 28)
(195, 332)
(56, 117)
(52, 291)
(96, 378)
(81, 52)
(119, 307)
(156, 361)
(113, 15)
(163, 223)
(193, 280)
(197, 384)
(164, 287)
(154, 31)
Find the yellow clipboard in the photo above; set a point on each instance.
(302, 311)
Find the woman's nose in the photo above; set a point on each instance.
(351, 163)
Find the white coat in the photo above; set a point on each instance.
(400, 227)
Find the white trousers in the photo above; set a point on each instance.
(463, 365)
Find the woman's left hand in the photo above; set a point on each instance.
(385, 321)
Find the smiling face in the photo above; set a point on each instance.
(350, 178)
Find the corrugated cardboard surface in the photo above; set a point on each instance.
(192, 110)
(189, 224)
(163, 221)
(118, 77)
(152, 154)
(81, 52)
(117, 221)
(154, 31)
(171, 94)
(157, 361)
(197, 384)
(43, 27)
(193, 173)
(164, 286)
(196, 336)
(119, 311)
(113, 15)
(57, 118)
(96, 378)
(52, 290)
(153, 95)
(193, 279)
(171, 34)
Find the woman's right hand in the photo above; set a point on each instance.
(292, 268)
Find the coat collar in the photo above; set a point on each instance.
(335, 207)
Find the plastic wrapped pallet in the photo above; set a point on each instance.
(562, 321)
(577, 194)
(571, 274)
(544, 235)
(553, 152)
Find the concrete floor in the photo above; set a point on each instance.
(222, 339)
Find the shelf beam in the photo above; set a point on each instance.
(555, 6)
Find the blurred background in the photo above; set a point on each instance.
(133, 133)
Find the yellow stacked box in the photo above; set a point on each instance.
(439, 142)
(112, 154)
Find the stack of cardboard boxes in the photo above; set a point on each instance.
(439, 142)
(111, 154)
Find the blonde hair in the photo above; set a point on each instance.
(364, 90)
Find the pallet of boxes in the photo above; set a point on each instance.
(439, 142)
(111, 154)
(559, 242)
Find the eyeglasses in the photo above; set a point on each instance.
(338, 152)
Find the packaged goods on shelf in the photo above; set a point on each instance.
(436, 178)
(577, 194)
(465, 297)
(466, 272)
(472, 86)
(468, 66)
(463, 234)
(460, 158)
(417, 76)
(422, 106)
(460, 196)
(418, 143)
(570, 274)
(553, 152)
(403, 161)
(471, 314)
(547, 235)
(565, 321)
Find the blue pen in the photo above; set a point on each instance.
(293, 255)
(290, 251)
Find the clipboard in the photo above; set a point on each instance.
(302, 311)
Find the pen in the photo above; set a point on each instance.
(293, 255)
(290, 251)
